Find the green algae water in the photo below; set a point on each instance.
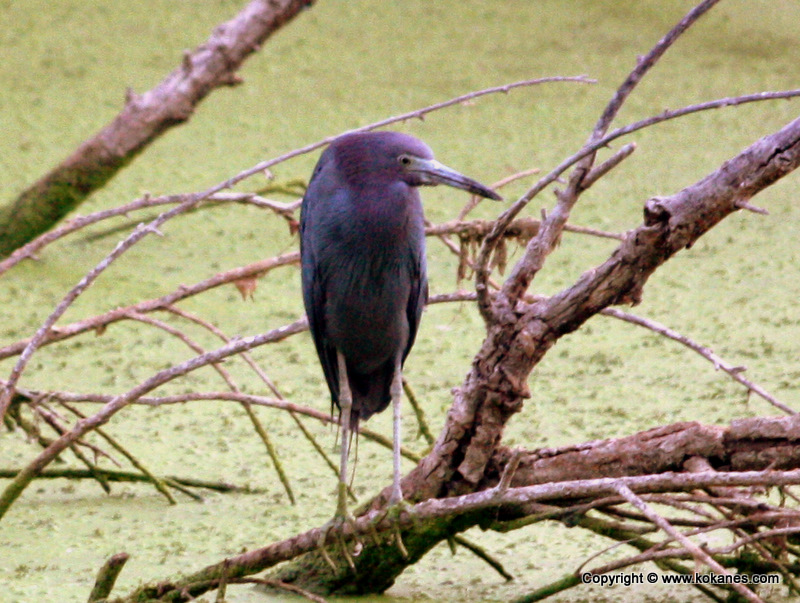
(66, 65)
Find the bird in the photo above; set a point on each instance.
(363, 272)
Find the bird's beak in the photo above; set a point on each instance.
(432, 172)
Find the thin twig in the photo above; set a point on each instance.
(113, 475)
(226, 376)
(422, 422)
(735, 372)
(475, 200)
(99, 323)
(523, 228)
(23, 479)
(60, 430)
(157, 482)
(415, 114)
(699, 554)
(604, 168)
(30, 249)
(248, 358)
(481, 553)
(41, 334)
(237, 397)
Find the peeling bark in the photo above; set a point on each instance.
(746, 445)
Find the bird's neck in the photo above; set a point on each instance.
(394, 212)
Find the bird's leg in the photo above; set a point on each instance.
(342, 515)
(396, 502)
(345, 408)
(396, 393)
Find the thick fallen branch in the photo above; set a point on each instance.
(745, 445)
(647, 462)
(440, 518)
(143, 119)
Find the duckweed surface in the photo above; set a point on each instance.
(66, 65)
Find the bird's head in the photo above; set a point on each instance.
(396, 156)
(418, 171)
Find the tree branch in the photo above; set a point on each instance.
(143, 119)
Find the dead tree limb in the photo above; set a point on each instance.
(142, 120)
(497, 384)
(434, 517)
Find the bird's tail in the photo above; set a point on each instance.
(371, 392)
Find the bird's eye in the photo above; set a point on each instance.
(404, 159)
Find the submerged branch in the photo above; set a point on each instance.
(83, 426)
(114, 475)
(107, 577)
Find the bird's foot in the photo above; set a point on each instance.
(397, 506)
(336, 524)
(341, 518)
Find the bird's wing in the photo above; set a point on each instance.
(314, 299)
(417, 299)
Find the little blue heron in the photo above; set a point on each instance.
(362, 246)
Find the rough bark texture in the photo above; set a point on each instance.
(465, 457)
(143, 119)
(746, 445)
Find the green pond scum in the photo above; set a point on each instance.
(66, 65)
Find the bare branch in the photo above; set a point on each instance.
(604, 168)
(415, 114)
(698, 553)
(143, 119)
(100, 322)
(550, 233)
(23, 479)
(433, 509)
(719, 364)
(531, 262)
(30, 249)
